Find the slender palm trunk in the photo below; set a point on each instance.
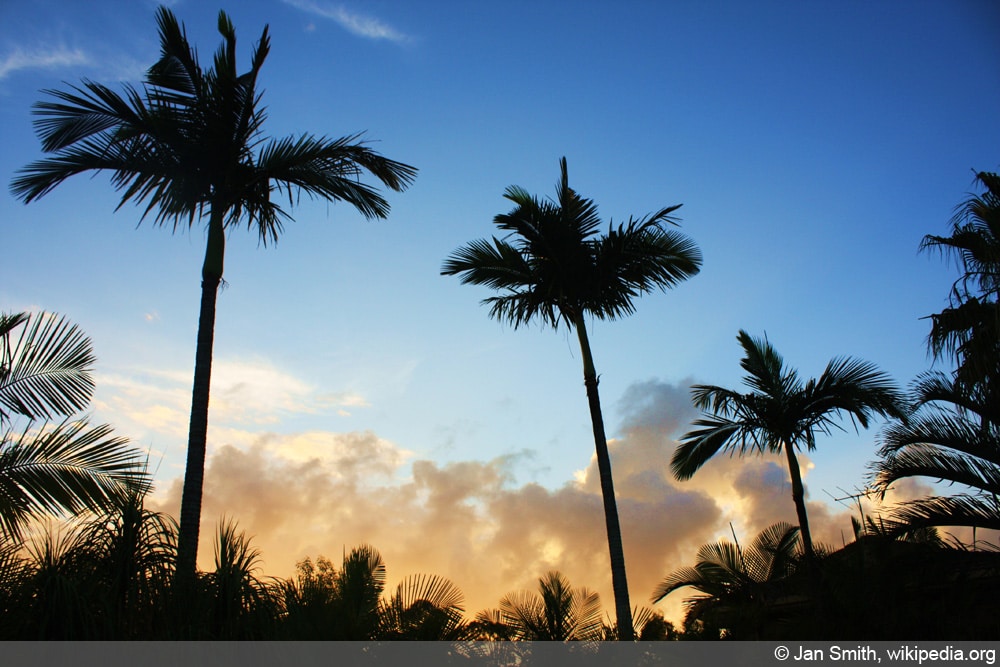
(194, 473)
(799, 497)
(812, 565)
(619, 581)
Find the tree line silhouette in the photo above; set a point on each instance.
(189, 146)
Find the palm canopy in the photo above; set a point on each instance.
(735, 582)
(558, 612)
(975, 238)
(953, 438)
(781, 410)
(190, 140)
(559, 267)
(968, 329)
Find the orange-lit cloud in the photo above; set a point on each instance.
(321, 493)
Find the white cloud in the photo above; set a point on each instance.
(250, 397)
(20, 59)
(358, 24)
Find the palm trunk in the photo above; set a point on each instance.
(815, 582)
(619, 581)
(194, 473)
(799, 497)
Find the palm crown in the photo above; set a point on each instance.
(559, 268)
(190, 140)
(782, 413)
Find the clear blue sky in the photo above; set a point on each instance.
(812, 145)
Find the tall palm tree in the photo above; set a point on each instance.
(189, 145)
(46, 368)
(560, 269)
(782, 414)
(736, 586)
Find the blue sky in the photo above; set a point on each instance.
(812, 145)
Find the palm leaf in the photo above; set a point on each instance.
(46, 370)
(66, 469)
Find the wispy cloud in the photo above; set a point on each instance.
(355, 23)
(21, 59)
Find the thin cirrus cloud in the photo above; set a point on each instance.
(357, 24)
(20, 59)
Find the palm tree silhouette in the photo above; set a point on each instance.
(782, 413)
(953, 437)
(969, 329)
(559, 269)
(558, 612)
(955, 433)
(45, 468)
(736, 586)
(423, 608)
(189, 144)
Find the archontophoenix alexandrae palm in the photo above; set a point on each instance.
(556, 266)
(188, 144)
(781, 413)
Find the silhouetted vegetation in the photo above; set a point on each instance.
(82, 558)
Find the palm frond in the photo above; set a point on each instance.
(68, 468)
(424, 607)
(936, 462)
(46, 370)
(766, 372)
(715, 434)
(971, 510)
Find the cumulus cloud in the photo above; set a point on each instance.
(49, 58)
(323, 493)
(355, 23)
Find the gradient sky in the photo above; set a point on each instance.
(358, 396)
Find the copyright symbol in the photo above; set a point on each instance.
(781, 653)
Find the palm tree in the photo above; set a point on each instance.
(423, 608)
(969, 329)
(133, 550)
(782, 414)
(559, 269)
(243, 606)
(46, 371)
(953, 437)
(189, 145)
(737, 586)
(557, 612)
(329, 604)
